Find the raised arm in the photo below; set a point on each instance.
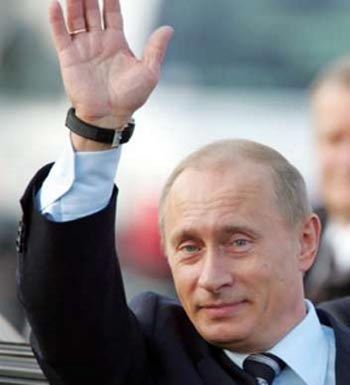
(69, 278)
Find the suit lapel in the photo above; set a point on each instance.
(215, 368)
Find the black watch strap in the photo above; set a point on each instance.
(98, 134)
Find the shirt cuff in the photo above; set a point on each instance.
(79, 184)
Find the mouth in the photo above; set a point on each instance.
(223, 309)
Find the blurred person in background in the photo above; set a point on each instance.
(330, 97)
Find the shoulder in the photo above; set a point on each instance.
(338, 308)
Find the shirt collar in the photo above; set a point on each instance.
(299, 348)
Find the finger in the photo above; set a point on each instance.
(156, 47)
(75, 15)
(112, 15)
(60, 34)
(93, 15)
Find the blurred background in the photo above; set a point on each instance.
(235, 68)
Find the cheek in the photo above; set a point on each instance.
(253, 277)
(264, 273)
(329, 158)
(184, 280)
(285, 275)
(278, 266)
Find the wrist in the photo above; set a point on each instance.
(81, 144)
(107, 121)
(90, 135)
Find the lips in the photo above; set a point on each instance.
(223, 309)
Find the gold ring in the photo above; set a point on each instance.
(76, 32)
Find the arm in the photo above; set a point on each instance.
(71, 288)
(70, 282)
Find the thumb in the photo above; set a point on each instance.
(156, 47)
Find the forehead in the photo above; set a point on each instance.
(212, 196)
(331, 108)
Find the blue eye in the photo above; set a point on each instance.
(241, 245)
(189, 248)
(241, 242)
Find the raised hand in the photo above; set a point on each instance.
(104, 80)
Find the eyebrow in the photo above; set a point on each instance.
(228, 229)
(182, 235)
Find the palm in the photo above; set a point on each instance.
(99, 71)
(101, 75)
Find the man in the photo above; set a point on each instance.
(330, 275)
(237, 229)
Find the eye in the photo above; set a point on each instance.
(189, 252)
(241, 244)
(334, 138)
(189, 248)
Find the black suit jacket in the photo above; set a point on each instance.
(83, 331)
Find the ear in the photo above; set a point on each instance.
(310, 231)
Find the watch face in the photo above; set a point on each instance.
(128, 131)
(117, 139)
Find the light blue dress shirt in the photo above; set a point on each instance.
(81, 183)
(308, 351)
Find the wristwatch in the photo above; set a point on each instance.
(98, 134)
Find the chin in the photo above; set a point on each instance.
(225, 334)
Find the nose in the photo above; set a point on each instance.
(215, 272)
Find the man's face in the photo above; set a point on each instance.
(234, 260)
(331, 109)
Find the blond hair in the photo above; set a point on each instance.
(288, 184)
(337, 72)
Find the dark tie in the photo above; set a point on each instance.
(263, 367)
